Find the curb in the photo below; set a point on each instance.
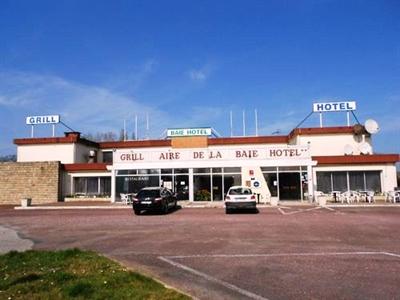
(69, 207)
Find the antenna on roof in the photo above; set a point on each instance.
(124, 130)
(136, 128)
(215, 133)
(244, 123)
(147, 125)
(256, 121)
(231, 122)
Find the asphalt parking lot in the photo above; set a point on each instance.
(279, 253)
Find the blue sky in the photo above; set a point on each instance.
(188, 63)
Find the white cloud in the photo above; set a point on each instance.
(85, 108)
(200, 74)
(197, 75)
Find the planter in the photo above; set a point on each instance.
(274, 201)
(80, 199)
(322, 200)
(26, 202)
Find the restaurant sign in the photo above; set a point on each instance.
(179, 132)
(38, 120)
(245, 153)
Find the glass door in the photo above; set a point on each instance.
(289, 186)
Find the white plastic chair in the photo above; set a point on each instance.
(393, 196)
(125, 198)
(346, 197)
(356, 196)
(370, 196)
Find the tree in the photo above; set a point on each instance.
(9, 157)
(123, 136)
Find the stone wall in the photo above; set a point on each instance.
(39, 181)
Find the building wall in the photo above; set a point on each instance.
(331, 144)
(65, 153)
(263, 190)
(82, 153)
(53, 152)
(39, 181)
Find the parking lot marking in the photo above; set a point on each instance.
(391, 254)
(298, 211)
(213, 279)
(286, 254)
(170, 260)
(329, 208)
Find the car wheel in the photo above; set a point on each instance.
(227, 211)
(137, 211)
(165, 208)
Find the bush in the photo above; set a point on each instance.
(202, 195)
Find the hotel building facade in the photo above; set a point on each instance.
(202, 168)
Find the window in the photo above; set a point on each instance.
(373, 181)
(108, 157)
(339, 181)
(92, 186)
(232, 170)
(356, 180)
(201, 170)
(324, 182)
(351, 180)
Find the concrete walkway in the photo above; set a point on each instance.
(10, 240)
(196, 204)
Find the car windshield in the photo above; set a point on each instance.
(148, 193)
(240, 191)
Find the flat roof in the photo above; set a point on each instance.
(271, 139)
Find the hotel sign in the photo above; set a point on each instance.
(179, 132)
(195, 155)
(334, 106)
(38, 120)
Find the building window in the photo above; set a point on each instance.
(373, 181)
(324, 182)
(92, 186)
(108, 157)
(356, 180)
(349, 181)
(339, 180)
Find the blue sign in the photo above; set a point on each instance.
(256, 184)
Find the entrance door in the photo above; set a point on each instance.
(182, 187)
(289, 186)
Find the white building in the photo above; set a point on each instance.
(286, 167)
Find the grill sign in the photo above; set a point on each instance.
(38, 120)
(334, 106)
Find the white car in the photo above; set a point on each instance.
(239, 197)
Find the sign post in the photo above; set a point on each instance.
(345, 106)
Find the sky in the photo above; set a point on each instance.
(189, 63)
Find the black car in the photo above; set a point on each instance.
(154, 198)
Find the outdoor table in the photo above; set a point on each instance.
(365, 194)
(335, 195)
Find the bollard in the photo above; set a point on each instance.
(25, 202)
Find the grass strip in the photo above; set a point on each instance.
(74, 274)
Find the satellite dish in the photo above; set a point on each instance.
(365, 148)
(348, 149)
(371, 126)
